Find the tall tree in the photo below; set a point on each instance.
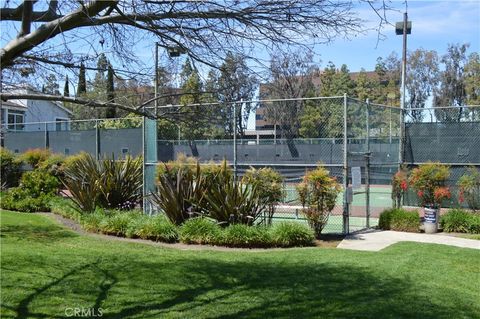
(451, 91)
(66, 88)
(82, 81)
(235, 83)
(291, 76)
(472, 79)
(422, 78)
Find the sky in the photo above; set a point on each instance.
(435, 24)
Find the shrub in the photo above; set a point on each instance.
(35, 157)
(289, 234)
(38, 182)
(246, 236)
(91, 222)
(171, 168)
(53, 165)
(232, 202)
(64, 207)
(428, 180)
(460, 221)
(318, 193)
(269, 184)
(399, 220)
(469, 188)
(19, 199)
(200, 230)
(180, 195)
(106, 183)
(117, 222)
(157, 228)
(10, 168)
(399, 187)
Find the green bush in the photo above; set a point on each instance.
(91, 222)
(400, 220)
(53, 165)
(245, 236)
(10, 168)
(289, 234)
(200, 230)
(469, 188)
(157, 228)
(180, 194)
(64, 207)
(229, 201)
(318, 193)
(270, 187)
(35, 157)
(38, 182)
(116, 222)
(18, 199)
(106, 183)
(460, 221)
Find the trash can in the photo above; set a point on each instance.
(431, 215)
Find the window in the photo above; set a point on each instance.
(60, 124)
(15, 120)
(258, 116)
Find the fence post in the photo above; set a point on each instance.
(235, 141)
(367, 166)
(47, 144)
(97, 140)
(346, 226)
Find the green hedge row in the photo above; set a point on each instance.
(134, 224)
(460, 221)
(400, 220)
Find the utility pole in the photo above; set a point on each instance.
(403, 28)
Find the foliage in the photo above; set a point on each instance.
(230, 202)
(38, 182)
(399, 187)
(117, 222)
(460, 221)
(33, 194)
(289, 234)
(35, 157)
(400, 220)
(53, 165)
(157, 228)
(171, 168)
(469, 188)
(269, 184)
(199, 230)
(245, 236)
(180, 194)
(64, 207)
(10, 168)
(428, 180)
(20, 200)
(318, 193)
(106, 183)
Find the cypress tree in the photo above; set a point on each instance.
(66, 89)
(82, 82)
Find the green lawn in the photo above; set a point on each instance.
(46, 269)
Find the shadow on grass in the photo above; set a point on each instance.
(43, 233)
(201, 287)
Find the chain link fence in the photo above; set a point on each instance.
(357, 141)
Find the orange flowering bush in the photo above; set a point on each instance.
(399, 187)
(469, 188)
(428, 180)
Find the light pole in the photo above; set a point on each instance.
(403, 28)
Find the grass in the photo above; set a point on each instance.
(46, 269)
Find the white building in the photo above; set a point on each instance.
(15, 113)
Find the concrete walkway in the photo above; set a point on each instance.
(375, 240)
